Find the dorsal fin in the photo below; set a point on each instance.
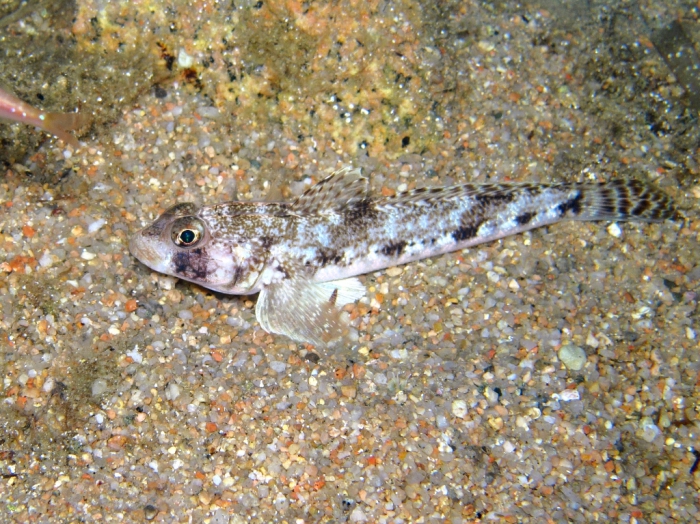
(345, 187)
(425, 195)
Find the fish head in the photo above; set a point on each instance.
(182, 243)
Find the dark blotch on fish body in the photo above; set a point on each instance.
(525, 218)
(193, 264)
(573, 205)
(394, 249)
(466, 232)
(329, 257)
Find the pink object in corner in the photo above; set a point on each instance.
(58, 124)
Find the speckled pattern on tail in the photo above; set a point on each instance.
(621, 199)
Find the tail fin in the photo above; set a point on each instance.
(58, 124)
(619, 199)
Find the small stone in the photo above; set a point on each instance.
(150, 512)
(522, 423)
(135, 355)
(495, 423)
(614, 230)
(116, 442)
(592, 341)
(172, 391)
(348, 391)
(649, 430)
(569, 394)
(99, 386)
(96, 225)
(459, 408)
(394, 271)
(491, 395)
(130, 305)
(278, 366)
(46, 260)
(358, 515)
(184, 60)
(573, 357)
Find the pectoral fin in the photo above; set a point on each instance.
(307, 311)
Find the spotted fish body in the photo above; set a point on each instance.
(303, 257)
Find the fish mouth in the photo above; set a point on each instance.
(149, 251)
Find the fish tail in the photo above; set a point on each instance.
(59, 125)
(619, 199)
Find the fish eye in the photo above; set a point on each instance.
(187, 237)
(187, 231)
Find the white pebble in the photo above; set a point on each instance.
(568, 395)
(99, 386)
(46, 260)
(508, 446)
(573, 357)
(172, 391)
(399, 354)
(86, 255)
(592, 341)
(135, 355)
(522, 423)
(184, 60)
(614, 230)
(96, 225)
(690, 333)
(649, 430)
(48, 385)
(459, 408)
